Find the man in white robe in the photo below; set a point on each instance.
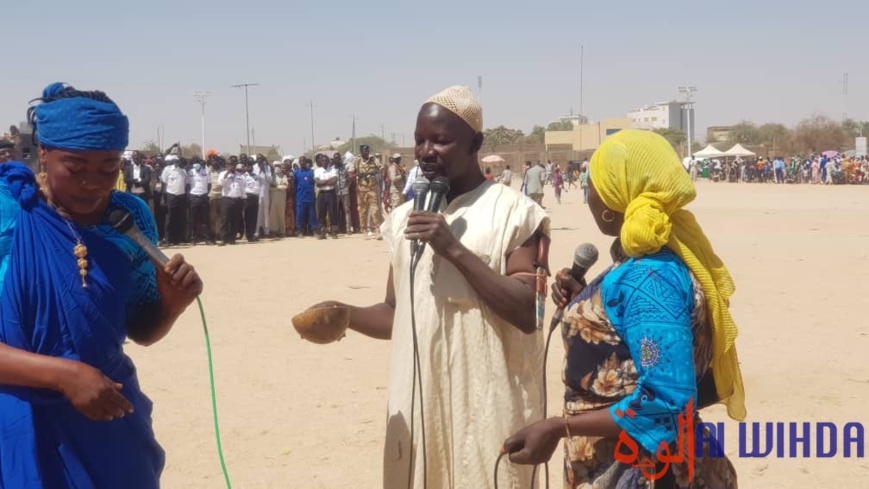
(264, 171)
(479, 349)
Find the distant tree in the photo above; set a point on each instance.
(501, 135)
(537, 135)
(676, 137)
(855, 128)
(776, 136)
(376, 143)
(560, 126)
(744, 132)
(820, 133)
(191, 150)
(150, 147)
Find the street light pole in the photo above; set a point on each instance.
(202, 97)
(353, 148)
(688, 92)
(246, 110)
(581, 73)
(313, 146)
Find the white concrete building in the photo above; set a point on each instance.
(662, 115)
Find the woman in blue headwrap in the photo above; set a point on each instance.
(71, 290)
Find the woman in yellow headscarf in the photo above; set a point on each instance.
(648, 337)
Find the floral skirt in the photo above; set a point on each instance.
(590, 464)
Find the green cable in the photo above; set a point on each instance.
(213, 395)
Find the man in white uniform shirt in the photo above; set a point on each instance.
(253, 184)
(175, 180)
(342, 187)
(326, 178)
(200, 182)
(412, 175)
(214, 197)
(263, 170)
(232, 184)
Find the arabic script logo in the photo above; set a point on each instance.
(662, 455)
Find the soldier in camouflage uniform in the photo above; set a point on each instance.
(367, 169)
(395, 182)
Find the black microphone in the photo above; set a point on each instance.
(122, 221)
(420, 188)
(584, 257)
(439, 189)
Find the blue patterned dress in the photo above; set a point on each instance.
(44, 441)
(637, 339)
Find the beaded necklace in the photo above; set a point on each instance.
(80, 251)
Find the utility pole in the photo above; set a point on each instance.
(480, 88)
(353, 149)
(382, 132)
(581, 68)
(688, 92)
(845, 96)
(313, 146)
(246, 110)
(201, 97)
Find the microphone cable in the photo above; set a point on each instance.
(213, 395)
(545, 398)
(417, 375)
(123, 222)
(556, 319)
(584, 257)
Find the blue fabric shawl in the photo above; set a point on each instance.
(44, 441)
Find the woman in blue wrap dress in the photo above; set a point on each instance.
(72, 414)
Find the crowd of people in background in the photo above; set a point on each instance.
(536, 176)
(223, 199)
(829, 168)
(220, 200)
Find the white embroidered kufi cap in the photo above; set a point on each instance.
(460, 101)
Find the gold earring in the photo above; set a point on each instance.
(608, 215)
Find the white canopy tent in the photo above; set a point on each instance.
(709, 152)
(738, 150)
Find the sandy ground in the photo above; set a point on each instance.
(295, 414)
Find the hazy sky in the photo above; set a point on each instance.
(758, 60)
